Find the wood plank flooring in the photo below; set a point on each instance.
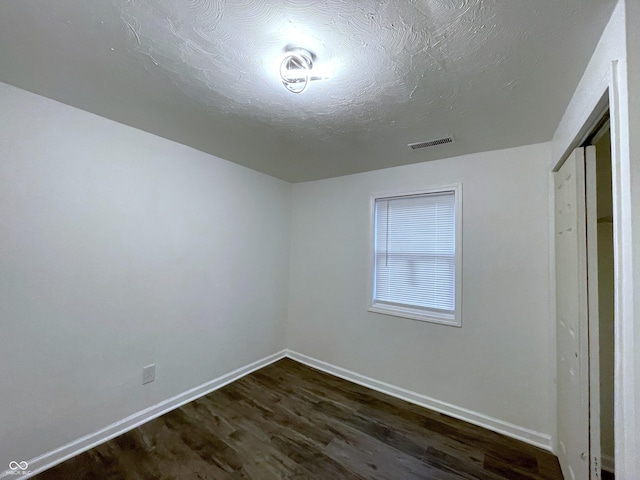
(289, 421)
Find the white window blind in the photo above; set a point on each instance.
(415, 252)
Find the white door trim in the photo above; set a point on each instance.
(627, 443)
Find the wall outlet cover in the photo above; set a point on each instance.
(148, 373)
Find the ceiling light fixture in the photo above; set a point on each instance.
(296, 70)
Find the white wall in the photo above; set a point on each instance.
(576, 121)
(120, 249)
(629, 440)
(501, 362)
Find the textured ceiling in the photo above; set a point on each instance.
(492, 73)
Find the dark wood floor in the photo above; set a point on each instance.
(288, 421)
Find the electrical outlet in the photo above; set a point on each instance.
(148, 373)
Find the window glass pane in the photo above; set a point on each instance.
(415, 251)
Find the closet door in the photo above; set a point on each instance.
(578, 452)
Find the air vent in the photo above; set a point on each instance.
(431, 143)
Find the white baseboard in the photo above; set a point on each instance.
(608, 464)
(59, 455)
(532, 437)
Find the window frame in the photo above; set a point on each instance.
(402, 311)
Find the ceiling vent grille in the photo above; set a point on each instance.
(431, 143)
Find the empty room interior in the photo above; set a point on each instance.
(320, 239)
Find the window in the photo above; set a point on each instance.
(417, 255)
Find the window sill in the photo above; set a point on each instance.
(414, 314)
